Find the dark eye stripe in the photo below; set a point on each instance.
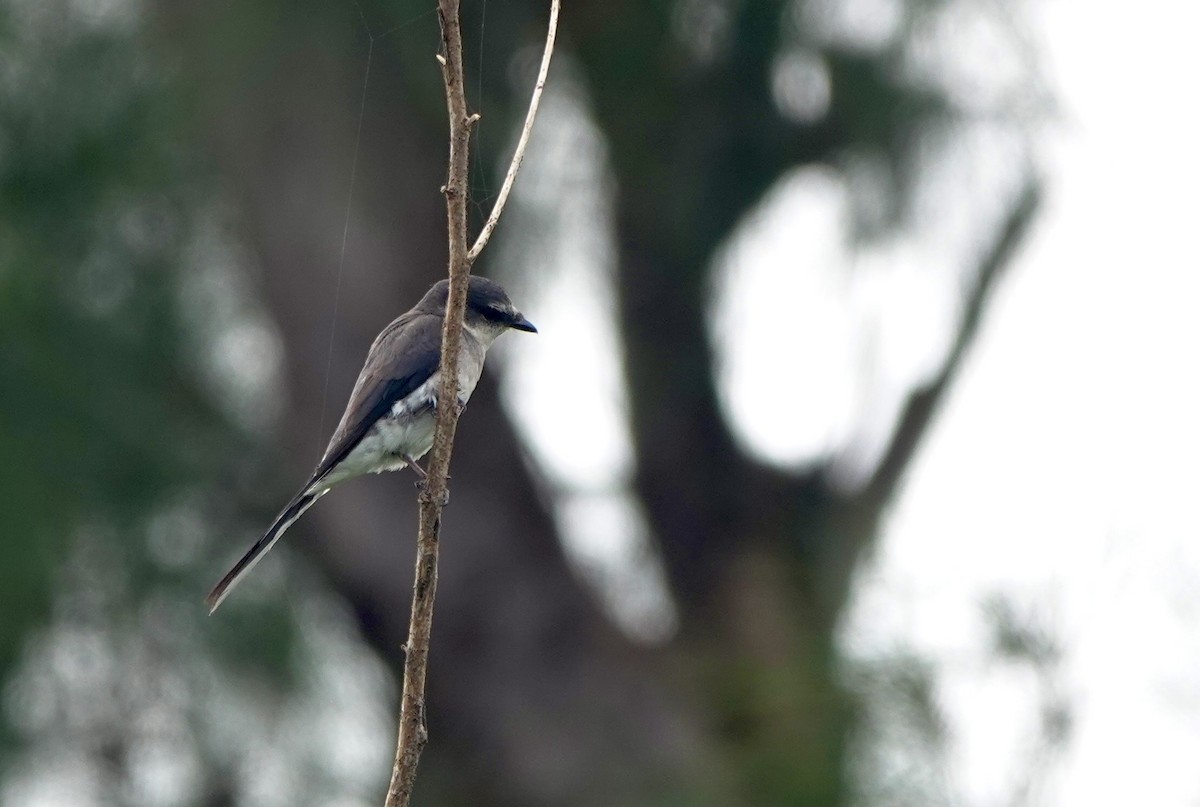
(493, 314)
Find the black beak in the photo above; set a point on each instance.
(521, 324)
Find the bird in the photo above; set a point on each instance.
(388, 423)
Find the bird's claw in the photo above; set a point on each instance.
(426, 496)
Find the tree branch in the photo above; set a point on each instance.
(413, 732)
(519, 156)
(918, 412)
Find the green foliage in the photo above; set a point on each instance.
(86, 336)
(106, 423)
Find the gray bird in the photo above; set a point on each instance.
(388, 423)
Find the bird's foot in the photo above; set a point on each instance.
(417, 469)
(422, 484)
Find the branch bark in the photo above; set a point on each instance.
(413, 733)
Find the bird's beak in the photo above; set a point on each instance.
(521, 324)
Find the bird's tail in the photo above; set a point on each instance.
(293, 511)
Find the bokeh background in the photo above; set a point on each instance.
(854, 462)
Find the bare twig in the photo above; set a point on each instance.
(413, 733)
(519, 156)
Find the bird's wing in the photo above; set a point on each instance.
(403, 358)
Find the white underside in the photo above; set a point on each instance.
(384, 447)
(406, 430)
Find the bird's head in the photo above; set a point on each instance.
(489, 311)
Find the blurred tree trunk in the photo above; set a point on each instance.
(535, 698)
(761, 560)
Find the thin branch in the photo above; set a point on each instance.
(413, 734)
(918, 413)
(486, 233)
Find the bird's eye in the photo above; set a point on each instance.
(493, 314)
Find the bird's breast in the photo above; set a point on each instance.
(407, 428)
(470, 368)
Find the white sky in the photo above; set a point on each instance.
(1063, 471)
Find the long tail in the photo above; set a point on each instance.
(290, 514)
